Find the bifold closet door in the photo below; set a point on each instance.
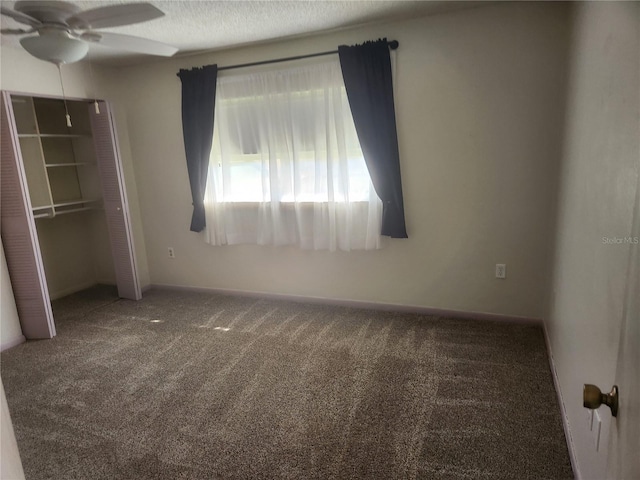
(20, 238)
(116, 206)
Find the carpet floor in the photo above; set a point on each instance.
(188, 385)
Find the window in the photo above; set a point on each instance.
(286, 165)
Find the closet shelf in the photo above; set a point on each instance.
(53, 135)
(70, 164)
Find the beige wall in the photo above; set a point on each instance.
(75, 252)
(20, 72)
(598, 184)
(479, 109)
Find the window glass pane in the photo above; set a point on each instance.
(245, 179)
(286, 165)
(287, 136)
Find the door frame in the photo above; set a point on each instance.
(43, 325)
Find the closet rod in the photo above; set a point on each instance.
(393, 44)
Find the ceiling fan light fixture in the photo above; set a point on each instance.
(64, 29)
(58, 49)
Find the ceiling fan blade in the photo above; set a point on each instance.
(114, 16)
(130, 43)
(20, 17)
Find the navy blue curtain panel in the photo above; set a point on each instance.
(198, 106)
(366, 70)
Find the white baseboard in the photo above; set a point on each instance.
(563, 410)
(12, 343)
(395, 307)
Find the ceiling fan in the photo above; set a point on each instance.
(63, 31)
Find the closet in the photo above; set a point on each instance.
(64, 210)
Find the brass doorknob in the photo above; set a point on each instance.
(593, 398)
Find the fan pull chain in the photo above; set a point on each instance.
(93, 83)
(64, 98)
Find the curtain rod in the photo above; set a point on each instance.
(393, 44)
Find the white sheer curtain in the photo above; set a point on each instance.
(286, 165)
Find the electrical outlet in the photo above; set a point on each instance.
(501, 270)
(172, 253)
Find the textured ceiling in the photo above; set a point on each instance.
(194, 26)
